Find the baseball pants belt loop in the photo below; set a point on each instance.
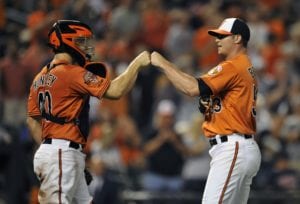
(224, 138)
(72, 144)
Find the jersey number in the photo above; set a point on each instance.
(217, 105)
(45, 102)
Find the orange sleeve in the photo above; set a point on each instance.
(32, 107)
(220, 78)
(88, 83)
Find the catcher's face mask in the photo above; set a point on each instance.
(86, 45)
(73, 37)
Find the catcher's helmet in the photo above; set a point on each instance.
(73, 37)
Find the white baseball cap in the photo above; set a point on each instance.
(232, 26)
(166, 107)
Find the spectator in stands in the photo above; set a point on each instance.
(13, 81)
(196, 165)
(105, 147)
(179, 36)
(106, 185)
(283, 178)
(164, 152)
(5, 157)
(128, 140)
(155, 24)
(106, 164)
(203, 45)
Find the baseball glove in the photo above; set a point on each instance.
(205, 105)
(97, 68)
(88, 176)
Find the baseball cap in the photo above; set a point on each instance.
(166, 107)
(232, 26)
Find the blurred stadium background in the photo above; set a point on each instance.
(178, 29)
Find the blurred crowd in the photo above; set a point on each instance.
(152, 139)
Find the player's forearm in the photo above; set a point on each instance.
(123, 83)
(35, 129)
(182, 81)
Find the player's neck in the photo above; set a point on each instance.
(235, 52)
(63, 57)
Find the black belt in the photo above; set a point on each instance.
(72, 144)
(224, 138)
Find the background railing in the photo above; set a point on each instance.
(256, 197)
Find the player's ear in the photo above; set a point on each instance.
(237, 39)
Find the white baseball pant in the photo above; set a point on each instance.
(234, 164)
(60, 169)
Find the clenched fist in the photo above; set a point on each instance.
(143, 59)
(158, 60)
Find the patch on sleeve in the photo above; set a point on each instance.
(91, 79)
(215, 70)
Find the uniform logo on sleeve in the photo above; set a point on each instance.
(215, 70)
(91, 79)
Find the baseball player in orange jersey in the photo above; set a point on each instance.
(227, 99)
(58, 109)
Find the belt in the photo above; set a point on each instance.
(72, 144)
(224, 138)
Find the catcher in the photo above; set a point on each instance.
(58, 107)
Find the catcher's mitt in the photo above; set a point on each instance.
(97, 68)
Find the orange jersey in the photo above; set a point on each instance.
(63, 91)
(234, 90)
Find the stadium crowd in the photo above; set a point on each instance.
(118, 153)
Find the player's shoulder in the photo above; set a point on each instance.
(72, 67)
(241, 59)
(70, 70)
(71, 73)
(40, 73)
(226, 66)
(222, 67)
(215, 70)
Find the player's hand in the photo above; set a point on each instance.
(143, 59)
(205, 105)
(157, 59)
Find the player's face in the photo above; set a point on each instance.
(86, 45)
(224, 43)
